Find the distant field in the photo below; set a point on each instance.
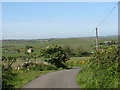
(78, 61)
(79, 58)
(87, 43)
(72, 42)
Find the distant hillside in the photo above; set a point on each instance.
(87, 43)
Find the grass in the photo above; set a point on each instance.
(79, 58)
(85, 80)
(72, 42)
(84, 77)
(25, 76)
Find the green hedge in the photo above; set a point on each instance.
(101, 71)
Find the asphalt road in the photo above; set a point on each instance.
(58, 79)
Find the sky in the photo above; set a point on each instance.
(39, 20)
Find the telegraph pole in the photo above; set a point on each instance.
(96, 39)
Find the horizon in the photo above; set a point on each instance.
(31, 20)
(58, 38)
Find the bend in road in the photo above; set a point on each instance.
(58, 79)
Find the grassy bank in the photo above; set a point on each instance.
(22, 77)
(85, 79)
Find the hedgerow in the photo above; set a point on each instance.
(102, 69)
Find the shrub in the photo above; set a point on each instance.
(7, 77)
(55, 55)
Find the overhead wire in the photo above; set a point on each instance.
(105, 18)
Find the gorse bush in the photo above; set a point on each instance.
(55, 55)
(102, 69)
(106, 67)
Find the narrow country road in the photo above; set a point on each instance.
(58, 79)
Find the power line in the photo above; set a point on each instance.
(103, 22)
(108, 14)
(105, 17)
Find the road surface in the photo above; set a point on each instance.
(58, 79)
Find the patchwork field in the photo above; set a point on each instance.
(86, 43)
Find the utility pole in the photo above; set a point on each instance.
(96, 39)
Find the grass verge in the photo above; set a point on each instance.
(85, 80)
(25, 76)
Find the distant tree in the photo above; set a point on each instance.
(18, 50)
(68, 49)
(28, 47)
(85, 53)
(79, 50)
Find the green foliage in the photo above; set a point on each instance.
(7, 78)
(85, 53)
(9, 59)
(55, 55)
(13, 79)
(27, 47)
(102, 70)
(41, 67)
(80, 52)
(68, 50)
